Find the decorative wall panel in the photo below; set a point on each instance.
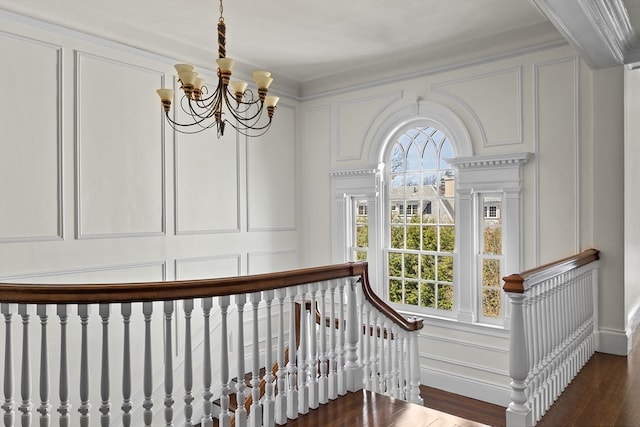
(119, 149)
(267, 262)
(271, 175)
(495, 102)
(206, 183)
(207, 267)
(557, 159)
(31, 142)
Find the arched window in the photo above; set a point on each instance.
(420, 220)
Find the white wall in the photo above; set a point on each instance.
(546, 102)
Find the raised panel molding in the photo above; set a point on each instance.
(501, 120)
(360, 114)
(560, 166)
(119, 149)
(271, 175)
(32, 192)
(207, 183)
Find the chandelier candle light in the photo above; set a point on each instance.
(208, 109)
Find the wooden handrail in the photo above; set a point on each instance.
(174, 290)
(515, 282)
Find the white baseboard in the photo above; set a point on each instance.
(613, 342)
(487, 392)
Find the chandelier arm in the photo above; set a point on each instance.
(245, 131)
(178, 127)
(240, 114)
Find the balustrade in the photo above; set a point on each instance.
(333, 335)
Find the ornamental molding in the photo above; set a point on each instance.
(504, 160)
(354, 172)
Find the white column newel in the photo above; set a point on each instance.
(147, 386)
(44, 368)
(225, 415)
(414, 363)
(323, 380)
(268, 405)
(518, 413)
(354, 372)
(83, 312)
(7, 405)
(241, 412)
(168, 364)
(255, 412)
(281, 396)
(105, 404)
(207, 420)
(188, 364)
(292, 369)
(313, 352)
(125, 311)
(303, 389)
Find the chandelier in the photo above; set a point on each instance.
(230, 102)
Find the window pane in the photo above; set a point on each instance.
(447, 238)
(427, 295)
(445, 297)
(411, 266)
(428, 271)
(429, 238)
(395, 290)
(445, 269)
(411, 292)
(491, 272)
(413, 158)
(397, 237)
(395, 264)
(492, 240)
(491, 302)
(413, 237)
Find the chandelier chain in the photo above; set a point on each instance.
(221, 19)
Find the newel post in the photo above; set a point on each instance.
(353, 367)
(518, 412)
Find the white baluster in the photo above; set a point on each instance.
(281, 396)
(313, 351)
(147, 387)
(225, 415)
(292, 393)
(323, 380)
(241, 412)
(268, 405)
(105, 405)
(366, 346)
(333, 374)
(83, 312)
(303, 389)
(188, 364)
(402, 373)
(125, 311)
(393, 361)
(353, 369)
(168, 364)
(517, 412)
(381, 363)
(340, 359)
(63, 388)
(44, 368)
(7, 406)
(207, 420)
(255, 413)
(375, 330)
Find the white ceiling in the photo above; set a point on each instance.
(302, 41)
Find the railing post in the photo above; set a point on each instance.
(7, 406)
(225, 415)
(168, 364)
(188, 364)
(85, 406)
(207, 420)
(125, 311)
(353, 368)
(281, 397)
(105, 404)
(147, 404)
(268, 406)
(518, 412)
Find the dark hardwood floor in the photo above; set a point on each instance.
(606, 392)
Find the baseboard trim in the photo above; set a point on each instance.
(613, 342)
(487, 392)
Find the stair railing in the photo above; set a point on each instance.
(98, 351)
(553, 331)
